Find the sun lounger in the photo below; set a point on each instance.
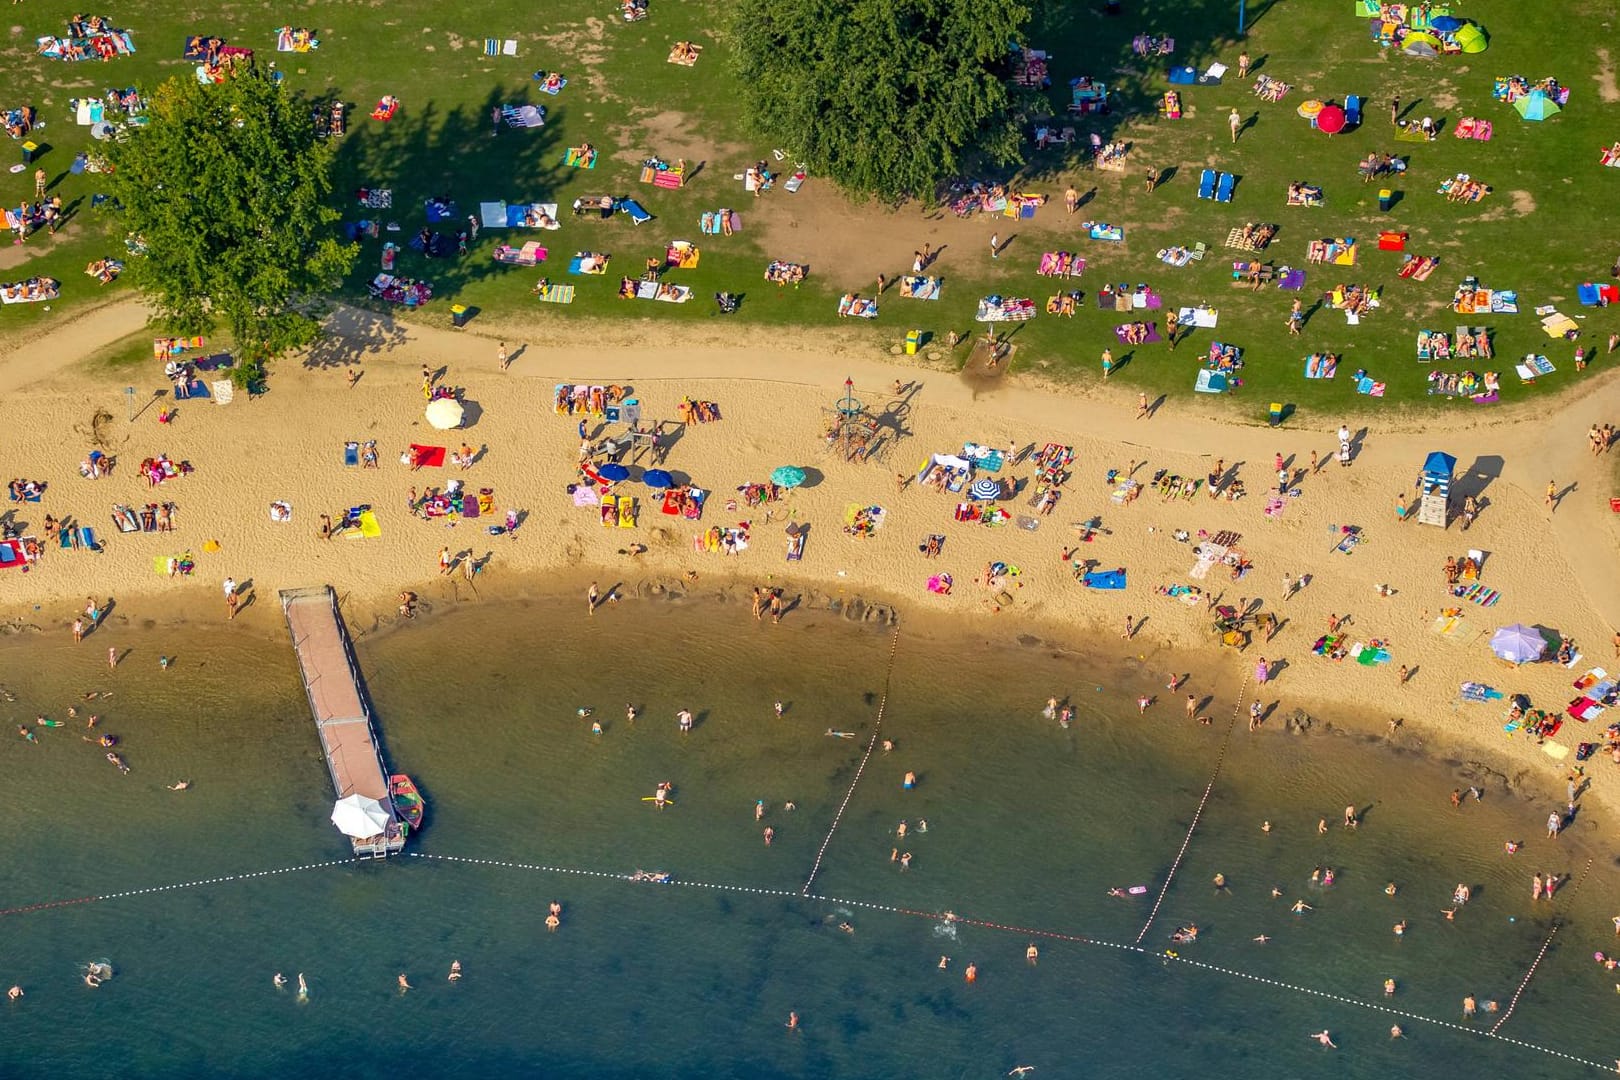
(637, 212)
(1206, 184)
(1352, 110)
(1224, 187)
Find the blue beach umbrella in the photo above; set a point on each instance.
(613, 472)
(788, 476)
(1445, 23)
(657, 478)
(985, 489)
(1518, 644)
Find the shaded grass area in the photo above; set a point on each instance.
(1539, 232)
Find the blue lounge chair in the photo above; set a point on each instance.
(1352, 111)
(1206, 184)
(1223, 190)
(637, 212)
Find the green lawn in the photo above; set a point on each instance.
(1541, 232)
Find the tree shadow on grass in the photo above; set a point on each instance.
(426, 152)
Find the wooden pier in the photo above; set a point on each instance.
(342, 714)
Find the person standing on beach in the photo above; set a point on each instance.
(445, 561)
(501, 358)
(1552, 497)
(1554, 825)
(78, 630)
(590, 599)
(1141, 406)
(1107, 363)
(995, 245)
(776, 607)
(1192, 706)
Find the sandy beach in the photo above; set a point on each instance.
(1552, 569)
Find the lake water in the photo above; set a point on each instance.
(1029, 825)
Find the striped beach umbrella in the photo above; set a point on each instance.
(985, 488)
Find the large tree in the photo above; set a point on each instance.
(227, 189)
(887, 97)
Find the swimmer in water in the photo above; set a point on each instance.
(179, 785)
(944, 962)
(1220, 881)
(1399, 928)
(910, 781)
(847, 927)
(1032, 954)
(780, 708)
(14, 993)
(1469, 1005)
(404, 984)
(971, 974)
(1050, 712)
(584, 711)
(900, 830)
(596, 727)
(922, 824)
(770, 834)
(888, 746)
(455, 970)
(1265, 826)
(1389, 890)
(1261, 938)
(1316, 876)
(1276, 893)
(832, 734)
(1389, 987)
(905, 860)
(92, 980)
(1449, 913)
(303, 988)
(1395, 1031)
(1117, 892)
(1325, 1039)
(27, 734)
(629, 713)
(279, 981)
(1321, 827)
(552, 922)
(793, 1021)
(759, 809)
(1300, 907)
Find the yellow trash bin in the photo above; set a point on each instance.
(913, 339)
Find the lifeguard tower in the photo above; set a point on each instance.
(1435, 481)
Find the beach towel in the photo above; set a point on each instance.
(627, 512)
(427, 457)
(587, 262)
(530, 254)
(1556, 325)
(555, 294)
(1152, 333)
(291, 40)
(1533, 366)
(1205, 317)
(523, 116)
(1098, 230)
(351, 454)
(368, 529)
(1291, 278)
(710, 223)
(1104, 579)
(549, 85)
(1321, 366)
(920, 288)
(576, 160)
(499, 47)
(1211, 382)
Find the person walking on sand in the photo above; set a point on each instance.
(502, 358)
(1141, 406)
(1553, 826)
(445, 561)
(1235, 122)
(1107, 363)
(591, 595)
(1192, 706)
(1552, 496)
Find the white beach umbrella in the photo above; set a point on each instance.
(359, 816)
(445, 413)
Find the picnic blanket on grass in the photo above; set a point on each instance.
(554, 294)
(1005, 309)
